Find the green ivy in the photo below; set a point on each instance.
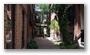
(63, 22)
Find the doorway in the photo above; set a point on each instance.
(22, 28)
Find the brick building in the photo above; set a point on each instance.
(76, 17)
(20, 32)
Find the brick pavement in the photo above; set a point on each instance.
(44, 43)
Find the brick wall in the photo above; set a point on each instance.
(5, 24)
(78, 28)
(18, 25)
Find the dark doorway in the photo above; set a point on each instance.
(71, 18)
(13, 24)
(22, 28)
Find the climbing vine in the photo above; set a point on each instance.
(63, 22)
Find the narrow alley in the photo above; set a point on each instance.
(43, 26)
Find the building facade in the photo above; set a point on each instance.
(22, 17)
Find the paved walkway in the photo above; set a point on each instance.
(45, 43)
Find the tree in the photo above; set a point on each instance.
(61, 11)
(42, 10)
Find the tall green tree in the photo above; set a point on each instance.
(43, 9)
(63, 22)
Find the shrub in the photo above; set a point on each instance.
(73, 46)
(32, 45)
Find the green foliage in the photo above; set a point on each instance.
(9, 24)
(73, 46)
(32, 45)
(43, 7)
(63, 22)
(43, 10)
(54, 24)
